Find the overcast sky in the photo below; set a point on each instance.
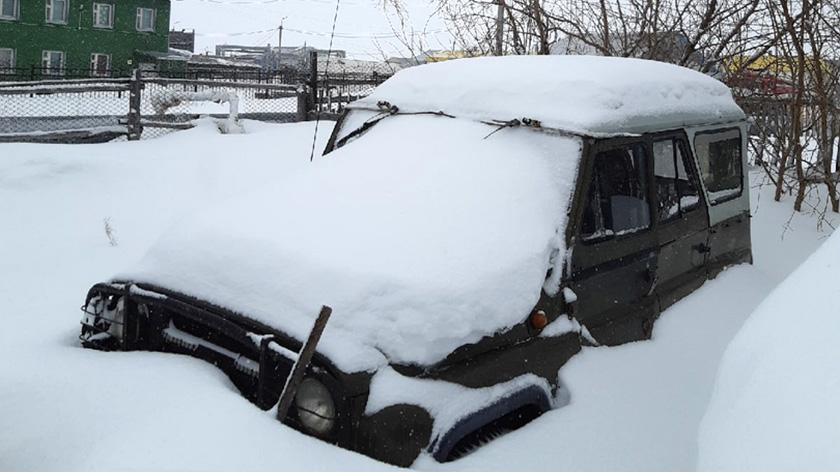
(363, 28)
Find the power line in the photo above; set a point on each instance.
(331, 34)
(326, 79)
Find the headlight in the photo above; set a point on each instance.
(104, 317)
(117, 319)
(315, 407)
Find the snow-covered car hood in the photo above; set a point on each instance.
(423, 235)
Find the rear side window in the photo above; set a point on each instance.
(675, 191)
(719, 156)
(617, 198)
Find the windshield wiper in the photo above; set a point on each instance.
(387, 110)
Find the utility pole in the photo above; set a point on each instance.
(500, 22)
(280, 41)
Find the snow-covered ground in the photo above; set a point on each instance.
(633, 408)
(774, 406)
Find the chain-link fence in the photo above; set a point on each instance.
(95, 110)
(178, 101)
(69, 105)
(63, 111)
(337, 81)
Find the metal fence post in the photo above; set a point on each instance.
(135, 127)
(313, 81)
(302, 103)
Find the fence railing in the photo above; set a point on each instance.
(37, 105)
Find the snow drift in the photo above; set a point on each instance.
(423, 235)
(775, 404)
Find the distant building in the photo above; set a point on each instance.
(181, 40)
(664, 46)
(82, 37)
(272, 58)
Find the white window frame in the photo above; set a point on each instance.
(46, 63)
(139, 23)
(50, 8)
(97, 8)
(15, 10)
(10, 69)
(94, 60)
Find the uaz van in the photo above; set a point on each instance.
(471, 225)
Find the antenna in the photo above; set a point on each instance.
(326, 79)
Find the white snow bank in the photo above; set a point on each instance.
(586, 94)
(422, 236)
(775, 405)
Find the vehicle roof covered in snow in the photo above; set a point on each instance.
(586, 95)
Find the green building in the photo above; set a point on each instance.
(81, 38)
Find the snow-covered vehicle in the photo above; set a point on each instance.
(471, 224)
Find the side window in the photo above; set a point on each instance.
(689, 196)
(617, 201)
(719, 156)
(665, 176)
(675, 192)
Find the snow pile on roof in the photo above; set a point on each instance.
(586, 94)
(422, 236)
(775, 404)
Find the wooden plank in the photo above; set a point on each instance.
(37, 83)
(306, 353)
(166, 124)
(292, 89)
(92, 135)
(135, 128)
(46, 90)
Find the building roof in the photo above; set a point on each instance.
(586, 95)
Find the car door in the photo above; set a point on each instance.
(682, 219)
(615, 247)
(721, 157)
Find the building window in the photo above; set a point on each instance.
(9, 9)
(103, 15)
(617, 198)
(719, 156)
(100, 65)
(57, 11)
(145, 19)
(7, 61)
(52, 62)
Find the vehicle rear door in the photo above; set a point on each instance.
(615, 247)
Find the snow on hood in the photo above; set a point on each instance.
(583, 94)
(423, 235)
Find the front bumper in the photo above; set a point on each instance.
(257, 359)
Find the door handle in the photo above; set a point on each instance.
(652, 277)
(701, 248)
